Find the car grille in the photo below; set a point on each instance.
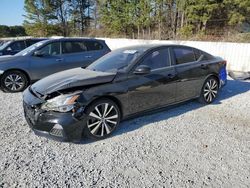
(56, 132)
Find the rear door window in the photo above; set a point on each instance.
(17, 46)
(157, 59)
(183, 55)
(93, 45)
(73, 47)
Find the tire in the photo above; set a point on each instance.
(209, 90)
(98, 125)
(14, 81)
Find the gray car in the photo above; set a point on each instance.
(48, 57)
(12, 47)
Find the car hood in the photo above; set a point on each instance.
(69, 79)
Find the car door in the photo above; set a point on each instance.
(48, 61)
(190, 72)
(155, 89)
(73, 53)
(95, 50)
(81, 53)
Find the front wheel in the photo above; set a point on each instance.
(103, 116)
(209, 90)
(14, 81)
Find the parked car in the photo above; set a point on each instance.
(48, 57)
(2, 42)
(123, 83)
(12, 47)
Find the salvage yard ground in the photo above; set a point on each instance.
(190, 145)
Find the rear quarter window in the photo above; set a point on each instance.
(199, 53)
(93, 45)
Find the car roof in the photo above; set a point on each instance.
(74, 39)
(27, 39)
(146, 47)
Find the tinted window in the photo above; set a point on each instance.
(199, 53)
(184, 55)
(73, 47)
(4, 45)
(51, 49)
(157, 59)
(17, 46)
(31, 42)
(93, 45)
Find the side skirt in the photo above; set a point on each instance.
(159, 109)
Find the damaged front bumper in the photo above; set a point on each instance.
(54, 125)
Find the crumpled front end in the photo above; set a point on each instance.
(54, 125)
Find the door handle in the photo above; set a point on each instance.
(88, 56)
(59, 59)
(171, 75)
(203, 66)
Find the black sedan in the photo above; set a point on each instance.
(126, 82)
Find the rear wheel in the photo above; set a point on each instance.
(103, 118)
(14, 81)
(209, 90)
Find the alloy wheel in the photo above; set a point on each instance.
(103, 119)
(14, 82)
(210, 90)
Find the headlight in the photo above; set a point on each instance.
(62, 103)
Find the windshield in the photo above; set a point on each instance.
(115, 60)
(4, 45)
(31, 48)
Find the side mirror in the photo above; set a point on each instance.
(142, 69)
(38, 53)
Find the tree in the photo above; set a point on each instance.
(160, 19)
(60, 11)
(238, 11)
(38, 18)
(80, 11)
(12, 31)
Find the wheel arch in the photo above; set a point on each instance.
(216, 76)
(20, 70)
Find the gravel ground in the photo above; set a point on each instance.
(189, 145)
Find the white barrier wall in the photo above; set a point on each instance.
(236, 54)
